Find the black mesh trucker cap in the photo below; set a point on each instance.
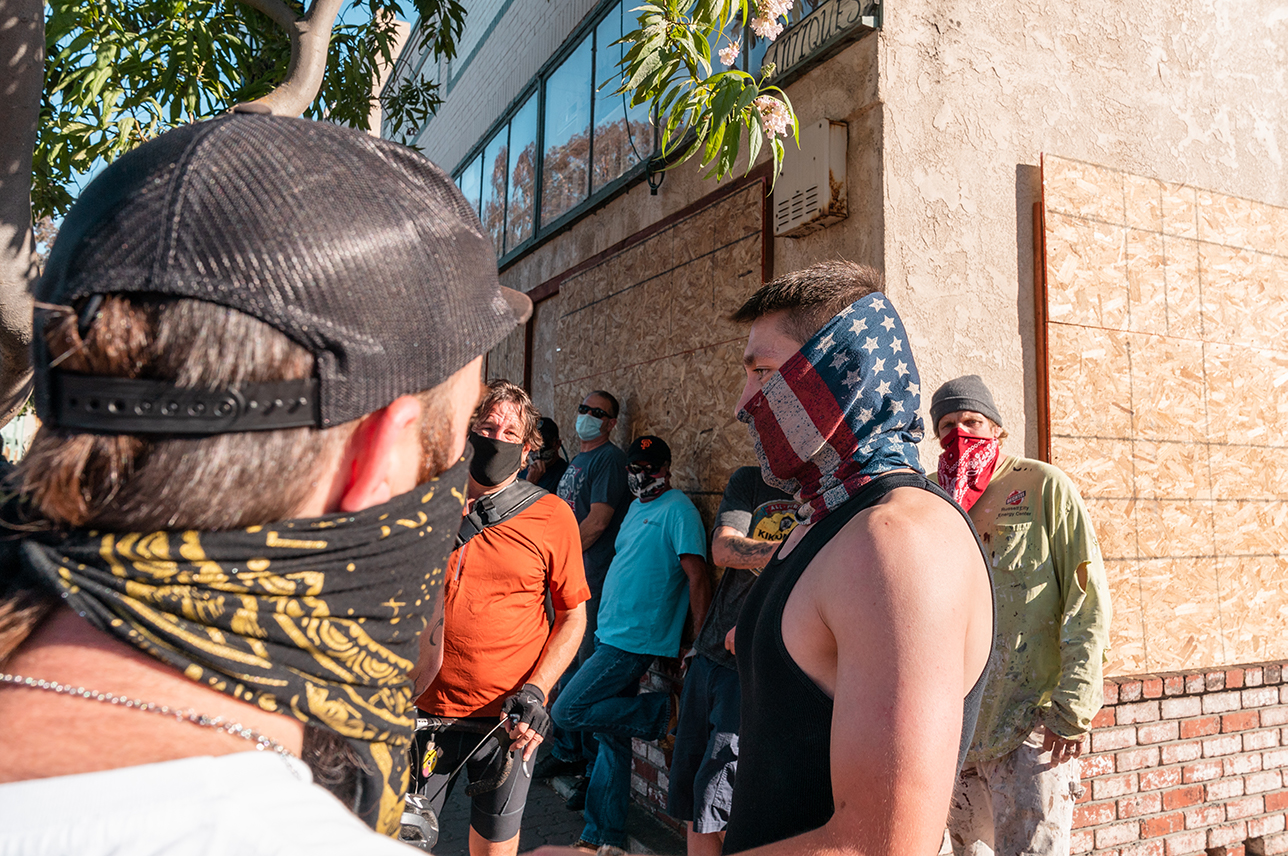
(360, 250)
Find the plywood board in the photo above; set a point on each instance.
(1167, 309)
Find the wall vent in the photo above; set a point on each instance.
(810, 192)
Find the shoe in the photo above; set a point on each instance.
(577, 800)
(585, 846)
(550, 766)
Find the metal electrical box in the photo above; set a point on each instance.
(810, 192)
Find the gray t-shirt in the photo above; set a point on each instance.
(758, 511)
(597, 476)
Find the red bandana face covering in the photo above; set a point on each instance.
(966, 465)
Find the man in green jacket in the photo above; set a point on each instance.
(1017, 790)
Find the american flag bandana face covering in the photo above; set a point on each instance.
(841, 411)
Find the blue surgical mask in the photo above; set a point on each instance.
(587, 426)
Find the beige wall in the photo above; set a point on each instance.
(973, 94)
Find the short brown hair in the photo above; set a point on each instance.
(811, 296)
(501, 390)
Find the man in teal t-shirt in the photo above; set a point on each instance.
(658, 574)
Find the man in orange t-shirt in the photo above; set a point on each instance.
(501, 652)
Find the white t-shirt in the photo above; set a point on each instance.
(242, 804)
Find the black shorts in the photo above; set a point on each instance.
(705, 759)
(495, 813)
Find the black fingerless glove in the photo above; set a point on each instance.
(528, 706)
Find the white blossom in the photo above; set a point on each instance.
(773, 114)
(729, 53)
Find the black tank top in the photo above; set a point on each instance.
(784, 779)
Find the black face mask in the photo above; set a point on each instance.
(494, 461)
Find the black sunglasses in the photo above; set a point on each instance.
(597, 412)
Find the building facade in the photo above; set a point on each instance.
(1088, 208)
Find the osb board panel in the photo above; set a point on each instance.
(1167, 308)
(649, 324)
(505, 361)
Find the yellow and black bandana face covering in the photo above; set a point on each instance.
(317, 619)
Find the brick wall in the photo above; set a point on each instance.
(651, 766)
(1188, 763)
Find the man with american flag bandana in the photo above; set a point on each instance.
(863, 645)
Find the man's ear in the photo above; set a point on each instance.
(385, 455)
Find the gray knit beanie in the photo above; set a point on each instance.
(964, 393)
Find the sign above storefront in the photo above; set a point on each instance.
(819, 36)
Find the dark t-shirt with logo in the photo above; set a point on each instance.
(758, 511)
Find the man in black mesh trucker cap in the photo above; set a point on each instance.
(258, 343)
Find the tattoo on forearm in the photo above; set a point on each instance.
(751, 552)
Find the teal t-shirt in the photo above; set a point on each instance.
(646, 593)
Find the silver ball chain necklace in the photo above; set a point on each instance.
(218, 723)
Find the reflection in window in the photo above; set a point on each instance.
(471, 182)
(523, 175)
(616, 128)
(494, 164)
(564, 178)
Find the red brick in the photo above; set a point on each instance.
(1261, 740)
(1165, 824)
(1094, 814)
(1223, 702)
(1130, 690)
(1268, 825)
(1152, 688)
(1134, 806)
(1143, 848)
(1244, 807)
(1182, 797)
(1157, 732)
(1166, 778)
(1104, 719)
(1277, 802)
(1173, 685)
(1119, 833)
(1082, 841)
(1223, 789)
(1114, 786)
(1241, 721)
(1253, 677)
(1233, 679)
(1109, 739)
(1238, 765)
(1111, 692)
(1259, 783)
(1214, 681)
(1203, 727)
(1225, 836)
(1274, 716)
(1194, 684)
(1182, 708)
(1180, 753)
(1277, 758)
(1218, 746)
(1228, 850)
(1259, 697)
(1201, 771)
(1136, 759)
(1204, 815)
(1273, 673)
(1095, 765)
(1271, 845)
(1187, 843)
(1145, 711)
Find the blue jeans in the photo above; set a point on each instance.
(603, 698)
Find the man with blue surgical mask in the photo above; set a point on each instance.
(594, 486)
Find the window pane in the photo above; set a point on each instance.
(564, 174)
(616, 128)
(494, 163)
(471, 182)
(523, 174)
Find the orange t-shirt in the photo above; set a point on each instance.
(494, 618)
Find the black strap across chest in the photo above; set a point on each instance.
(498, 507)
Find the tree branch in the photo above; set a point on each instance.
(310, 38)
(22, 55)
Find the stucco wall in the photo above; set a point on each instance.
(973, 94)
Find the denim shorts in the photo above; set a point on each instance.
(706, 747)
